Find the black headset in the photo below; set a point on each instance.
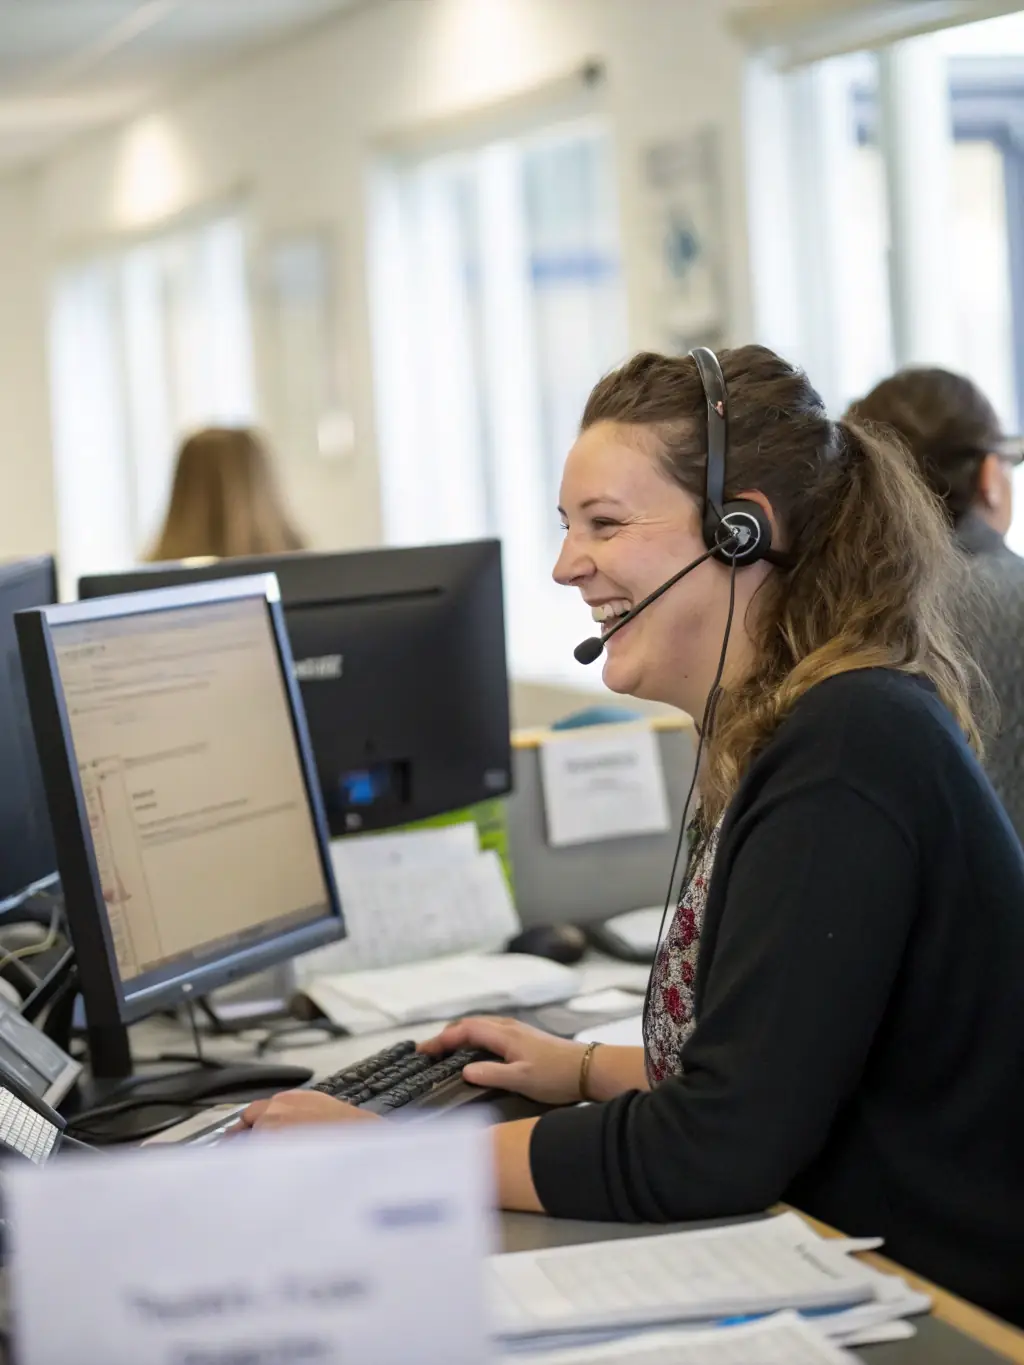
(737, 533)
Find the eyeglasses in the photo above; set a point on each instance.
(1011, 451)
(1008, 449)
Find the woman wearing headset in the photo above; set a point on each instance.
(836, 1015)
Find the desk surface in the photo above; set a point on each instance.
(955, 1334)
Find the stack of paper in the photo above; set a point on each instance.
(785, 1339)
(578, 1294)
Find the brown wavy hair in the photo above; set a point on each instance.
(875, 580)
(225, 500)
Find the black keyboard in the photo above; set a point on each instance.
(400, 1076)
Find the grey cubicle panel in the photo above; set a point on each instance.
(588, 882)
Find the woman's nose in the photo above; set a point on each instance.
(572, 565)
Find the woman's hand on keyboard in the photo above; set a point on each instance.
(533, 1063)
(294, 1107)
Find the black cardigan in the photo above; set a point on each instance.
(859, 1049)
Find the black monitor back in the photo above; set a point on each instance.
(400, 656)
(26, 843)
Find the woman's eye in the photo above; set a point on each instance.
(604, 523)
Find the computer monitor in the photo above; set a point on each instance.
(189, 830)
(26, 845)
(400, 656)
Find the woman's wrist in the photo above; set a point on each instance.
(586, 1062)
(614, 1070)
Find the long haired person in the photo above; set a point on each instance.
(836, 1014)
(225, 500)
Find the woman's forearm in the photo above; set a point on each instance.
(614, 1070)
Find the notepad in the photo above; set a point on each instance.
(759, 1267)
(781, 1340)
(412, 896)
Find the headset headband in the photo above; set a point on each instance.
(713, 382)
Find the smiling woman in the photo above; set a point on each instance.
(836, 1016)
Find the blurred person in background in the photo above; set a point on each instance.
(956, 438)
(225, 500)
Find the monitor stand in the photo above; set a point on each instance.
(110, 1055)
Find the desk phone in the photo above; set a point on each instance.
(28, 1127)
(34, 1074)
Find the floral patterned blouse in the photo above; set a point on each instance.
(670, 1018)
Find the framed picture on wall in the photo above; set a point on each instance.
(682, 183)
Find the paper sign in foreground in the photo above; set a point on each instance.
(330, 1245)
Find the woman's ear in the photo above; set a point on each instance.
(753, 496)
(995, 493)
(989, 480)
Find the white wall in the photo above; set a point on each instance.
(294, 130)
(27, 515)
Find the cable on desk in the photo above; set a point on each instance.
(71, 1143)
(111, 1136)
(197, 1042)
(323, 1031)
(34, 949)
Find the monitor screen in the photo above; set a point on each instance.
(26, 844)
(400, 658)
(192, 788)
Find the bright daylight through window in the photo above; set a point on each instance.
(498, 303)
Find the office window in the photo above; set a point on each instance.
(948, 289)
(498, 302)
(147, 343)
(820, 223)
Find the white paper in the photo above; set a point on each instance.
(441, 988)
(639, 928)
(332, 1245)
(784, 1339)
(618, 1033)
(406, 849)
(892, 1299)
(674, 1277)
(880, 1335)
(603, 783)
(397, 913)
(603, 1002)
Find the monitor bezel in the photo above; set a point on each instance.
(13, 575)
(110, 1001)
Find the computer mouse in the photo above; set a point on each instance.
(558, 942)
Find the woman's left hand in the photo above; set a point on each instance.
(292, 1108)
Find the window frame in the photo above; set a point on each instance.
(986, 106)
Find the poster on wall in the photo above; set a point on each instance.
(682, 181)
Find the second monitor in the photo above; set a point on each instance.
(400, 657)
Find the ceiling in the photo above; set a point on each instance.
(68, 66)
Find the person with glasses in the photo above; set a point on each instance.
(959, 445)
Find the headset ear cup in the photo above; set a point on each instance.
(749, 521)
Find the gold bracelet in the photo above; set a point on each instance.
(587, 1058)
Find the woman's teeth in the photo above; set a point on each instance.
(607, 613)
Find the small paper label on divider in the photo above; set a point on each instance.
(605, 784)
(325, 1245)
